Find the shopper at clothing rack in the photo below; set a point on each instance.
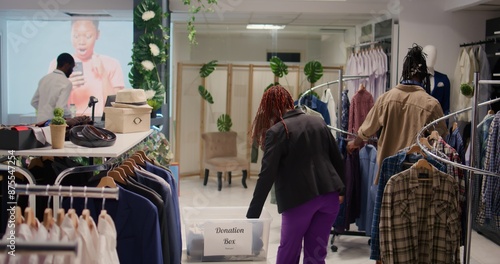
(303, 160)
(401, 112)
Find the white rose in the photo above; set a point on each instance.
(148, 15)
(154, 49)
(440, 84)
(148, 65)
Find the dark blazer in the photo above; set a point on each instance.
(303, 165)
(442, 93)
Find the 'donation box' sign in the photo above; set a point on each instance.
(227, 238)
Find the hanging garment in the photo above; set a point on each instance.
(107, 240)
(462, 75)
(350, 209)
(492, 184)
(148, 193)
(419, 222)
(345, 122)
(367, 167)
(317, 105)
(454, 139)
(441, 90)
(164, 189)
(361, 104)
(327, 98)
(90, 241)
(391, 166)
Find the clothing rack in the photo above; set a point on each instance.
(340, 82)
(67, 191)
(490, 40)
(471, 169)
(369, 43)
(49, 248)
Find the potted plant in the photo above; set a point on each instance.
(58, 129)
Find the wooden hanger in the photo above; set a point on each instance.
(138, 159)
(117, 177)
(491, 112)
(60, 216)
(86, 216)
(425, 142)
(48, 219)
(128, 170)
(454, 126)
(107, 181)
(19, 216)
(144, 156)
(74, 218)
(122, 173)
(416, 149)
(29, 217)
(433, 136)
(423, 164)
(362, 87)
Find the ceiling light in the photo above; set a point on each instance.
(264, 26)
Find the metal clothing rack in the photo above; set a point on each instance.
(49, 248)
(490, 40)
(340, 82)
(67, 191)
(471, 169)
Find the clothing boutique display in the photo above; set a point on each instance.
(372, 63)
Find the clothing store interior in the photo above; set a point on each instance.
(173, 184)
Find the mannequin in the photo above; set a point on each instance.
(439, 82)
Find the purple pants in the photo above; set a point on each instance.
(310, 222)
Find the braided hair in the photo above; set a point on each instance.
(414, 65)
(275, 102)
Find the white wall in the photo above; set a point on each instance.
(333, 50)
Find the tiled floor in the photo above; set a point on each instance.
(351, 249)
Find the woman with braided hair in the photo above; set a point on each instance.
(302, 159)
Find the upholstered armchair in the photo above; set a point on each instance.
(220, 155)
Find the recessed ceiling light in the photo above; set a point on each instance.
(264, 26)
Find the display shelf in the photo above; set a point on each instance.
(123, 143)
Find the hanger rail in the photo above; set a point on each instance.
(67, 191)
(49, 248)
(461, 166)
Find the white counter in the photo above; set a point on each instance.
(123, 143)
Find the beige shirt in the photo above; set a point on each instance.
(401, 113)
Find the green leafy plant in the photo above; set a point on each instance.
(466, 89)
(195, 7)
(208, 68)
(205, 94)
(205, 70)
(278, 67)
(150, 52)
(313, 71)
(224, 123)
(58, 117)
(155, 104)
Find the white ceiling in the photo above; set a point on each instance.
(311, 16)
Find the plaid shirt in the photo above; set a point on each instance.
(492, 163)
(452, 155)
(390, 166)
(454, 139)
(345, 121)
(419, 222)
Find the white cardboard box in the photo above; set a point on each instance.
(127, 120)
(224, 234)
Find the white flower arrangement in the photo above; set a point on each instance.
(148, 65)
(154, 49)
(148, 15)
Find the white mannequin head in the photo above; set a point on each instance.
(431, 52)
